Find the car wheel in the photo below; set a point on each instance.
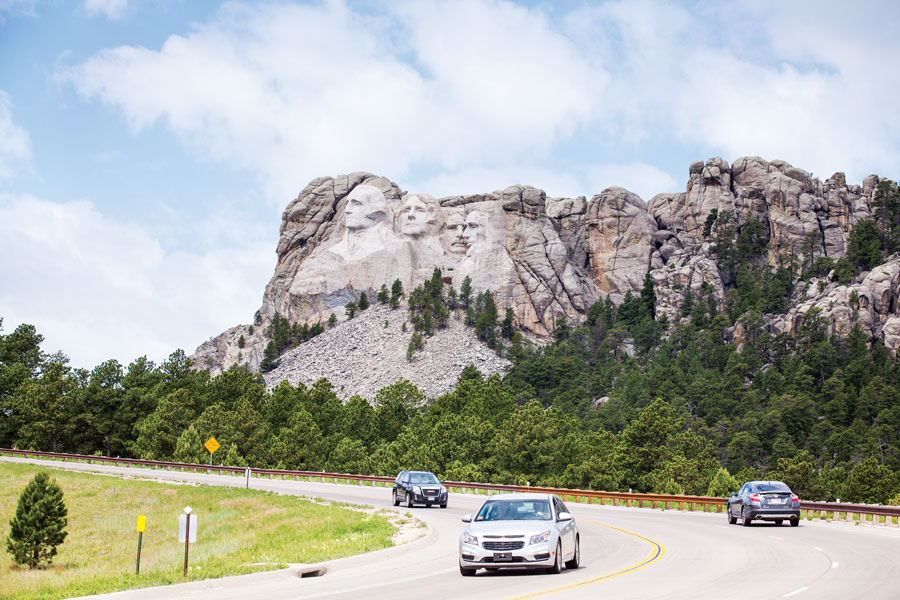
(557, 564)
(779, 521)
(444, 505)
(745, 521)
(731, 519)
(409, 500)
(394, 499)
(795, 522)
(466, 572)
(576, 558)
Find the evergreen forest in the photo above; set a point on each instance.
(623, 401)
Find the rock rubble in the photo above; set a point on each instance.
(366, 353)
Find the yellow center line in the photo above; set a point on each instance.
(656, 554)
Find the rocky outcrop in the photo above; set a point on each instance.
(551, 258)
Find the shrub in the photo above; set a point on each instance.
(38, 526)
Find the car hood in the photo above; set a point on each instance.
(508, 527)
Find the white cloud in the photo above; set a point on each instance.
(100, 289)
(811, 83)
(644, 180)
(15, 144)
(296, 91)
(17, 7)
(111, 9)
(477, 180)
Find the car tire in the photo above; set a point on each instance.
(576, 557)
(444, 505)
(795, 522)
(394, 498)
(409, 500)
(557, 563)
(731, 519)
(779, 521)
(466, 572)
(745, 521)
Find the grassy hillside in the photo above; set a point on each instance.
(240, 531)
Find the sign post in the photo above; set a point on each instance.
(186, 534)
(141, 525)
(212, 445)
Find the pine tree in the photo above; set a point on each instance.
(270, 357)
(465, 292)
(350, 309)
(383, 296)
(363, 301)
(506, 327)
(189, 447)
(37, 528)
(332, 320)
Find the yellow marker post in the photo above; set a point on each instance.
(212, 445)
(141, 525)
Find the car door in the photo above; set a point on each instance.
(566, 528)
(733, 510)
(404, 487)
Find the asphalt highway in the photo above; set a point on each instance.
(627, 553)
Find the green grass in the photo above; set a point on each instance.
(238, 529)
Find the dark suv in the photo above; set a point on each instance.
(764, 501)
(418, 487)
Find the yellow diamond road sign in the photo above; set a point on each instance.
(212, 445)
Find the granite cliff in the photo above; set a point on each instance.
(549, 258)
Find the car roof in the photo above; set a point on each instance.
(520, 496)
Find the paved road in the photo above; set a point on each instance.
(627, 553)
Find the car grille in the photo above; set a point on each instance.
(503, 545)
(431, 492)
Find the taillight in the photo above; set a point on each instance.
(754, 498)
(795, 499)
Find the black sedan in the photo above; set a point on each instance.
(764, 501)
(418, 487)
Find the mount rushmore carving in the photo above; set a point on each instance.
(551, 258)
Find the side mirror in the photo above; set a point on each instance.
(733, 494)
(564, 516)
(467, 518)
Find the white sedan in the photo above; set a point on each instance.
(520, 530)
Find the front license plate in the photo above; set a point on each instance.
(502, 556)
(431, 498)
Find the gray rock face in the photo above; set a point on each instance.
(551, 258)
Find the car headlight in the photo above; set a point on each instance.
(468, 538)
(540, 538)
(417, 490)
(443, 490)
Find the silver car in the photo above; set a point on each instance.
(520, 530)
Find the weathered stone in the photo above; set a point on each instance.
(551, 258)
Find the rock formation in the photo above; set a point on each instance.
(551, 258)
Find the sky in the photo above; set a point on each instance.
(148, 148)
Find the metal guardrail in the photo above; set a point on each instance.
(890, 514)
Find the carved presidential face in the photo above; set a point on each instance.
(366, 206)
(475, 233)
(453, 237)
(415, 215)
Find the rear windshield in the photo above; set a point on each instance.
(422, 478)
(773, 486)
(514, 510)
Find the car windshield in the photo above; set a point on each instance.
(514, 510)
(773, 486)
(422, 478)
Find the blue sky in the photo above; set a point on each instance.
(147, 149)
